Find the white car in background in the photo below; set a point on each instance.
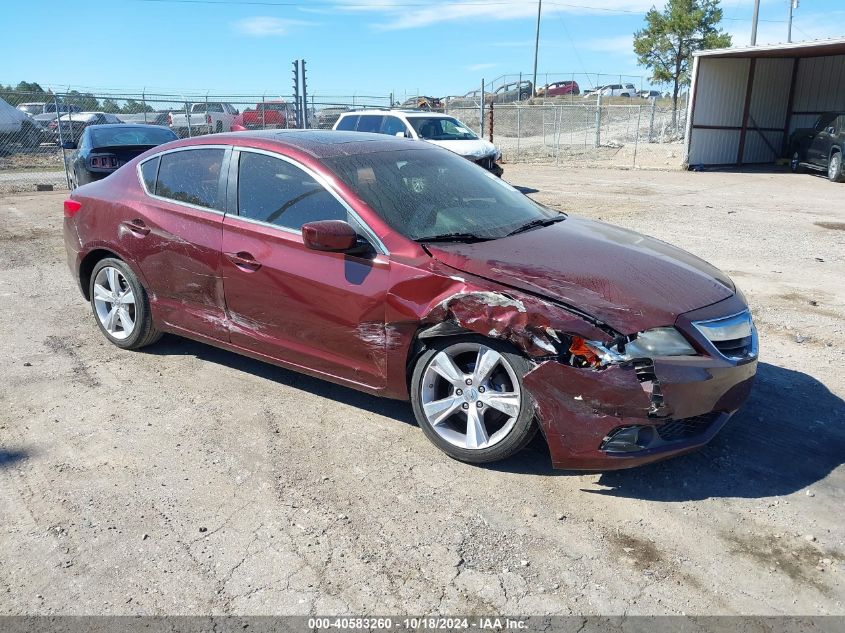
(614, 90)
(438, 129)
(17, 127)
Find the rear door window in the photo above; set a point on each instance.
(369, 123)
(393, 125)
(348, 123)
(191, 176)
(277, 192)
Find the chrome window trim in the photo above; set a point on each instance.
(369, 233)
(170, 200)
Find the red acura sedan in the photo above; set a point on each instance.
(405, 271)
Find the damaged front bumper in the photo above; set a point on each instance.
(632, 413)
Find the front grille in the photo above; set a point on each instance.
(733, 336)
(686, 428)
(487, 163)
(735, 348)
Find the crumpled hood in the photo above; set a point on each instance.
(629, 281)
(474, 149)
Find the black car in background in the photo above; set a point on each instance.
(104, 148)
(820, 148)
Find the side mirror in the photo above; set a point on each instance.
(68, 145)
(329, 235)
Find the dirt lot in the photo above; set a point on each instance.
(184, 479)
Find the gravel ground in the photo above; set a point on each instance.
(184, 479)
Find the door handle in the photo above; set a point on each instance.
(137, 226)
(244, 261)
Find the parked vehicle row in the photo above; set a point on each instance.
(432, 127)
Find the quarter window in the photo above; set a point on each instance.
(348, 123)
(274, 191)
(149, 172)
(191, 176)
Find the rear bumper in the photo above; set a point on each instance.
(607, 419)
(72, 250)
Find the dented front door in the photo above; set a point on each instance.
(317, 310)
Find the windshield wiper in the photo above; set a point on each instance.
(533, 224)
(453, 237)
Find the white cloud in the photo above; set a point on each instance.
(264, 26)
(398, 14)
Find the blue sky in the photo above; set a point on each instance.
(352, 46)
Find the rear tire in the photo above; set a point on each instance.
(120, 305)
(795, 163)
(485, 387)
(219, 127)
(834, 168)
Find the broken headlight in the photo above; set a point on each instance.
(661, 341)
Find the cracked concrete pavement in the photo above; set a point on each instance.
(184, 479)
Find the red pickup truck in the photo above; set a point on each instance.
(268, 114)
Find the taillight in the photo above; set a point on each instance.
(208, 119)
(71, 207)
(103, 161)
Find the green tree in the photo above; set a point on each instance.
(86, 101)
(135, 107)
(672, 35)
(110, 106)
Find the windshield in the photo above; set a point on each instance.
(31, 108)
(441, 129)
(427, 193)
(111, 135)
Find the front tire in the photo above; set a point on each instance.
(468, 398)
(834, 168)
(121, 306)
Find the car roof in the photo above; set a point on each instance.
(317, 143)
(134, 126)
(408, 113)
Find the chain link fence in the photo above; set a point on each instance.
(592, 131)
(34, 124)
(618, 132)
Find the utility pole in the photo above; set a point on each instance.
(793, 4)
(754, 21)
(537, 46)
(297, 104)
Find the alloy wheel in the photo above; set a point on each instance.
(834, 167)
(471, 396)
(114, 303)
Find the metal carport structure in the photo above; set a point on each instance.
(745, 102)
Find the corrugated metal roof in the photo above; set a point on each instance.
(815, 48)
